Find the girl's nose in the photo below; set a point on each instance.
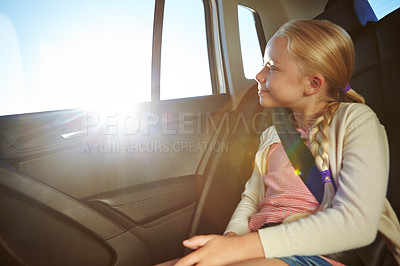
(261, 76)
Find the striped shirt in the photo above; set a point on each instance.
(286, 193)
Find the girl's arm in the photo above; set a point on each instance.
(248, 205)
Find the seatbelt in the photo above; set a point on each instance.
(299, 155)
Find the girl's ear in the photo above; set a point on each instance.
(316, 83)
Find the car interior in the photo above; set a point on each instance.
(74, 191)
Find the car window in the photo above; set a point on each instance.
(185, 70)
(384, 7)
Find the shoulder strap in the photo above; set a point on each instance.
(299, 155)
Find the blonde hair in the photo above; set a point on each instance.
(319, 46)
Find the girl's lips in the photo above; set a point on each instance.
(262, 92)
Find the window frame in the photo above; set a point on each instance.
(262, 40)
(260, 31)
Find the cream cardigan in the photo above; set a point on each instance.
(359, 160)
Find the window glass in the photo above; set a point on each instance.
(384, 7)
(249, 43)
(185, 70)
(72, 53)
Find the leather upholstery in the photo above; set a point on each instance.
(377, 73)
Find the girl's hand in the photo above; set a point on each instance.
(221, 250)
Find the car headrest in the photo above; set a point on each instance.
(349, 14)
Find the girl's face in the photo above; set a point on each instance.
(280, 83)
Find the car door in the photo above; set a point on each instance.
(136, 170)
(119, 169)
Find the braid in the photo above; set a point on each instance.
(319, 148)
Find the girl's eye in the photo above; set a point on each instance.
(270, 67)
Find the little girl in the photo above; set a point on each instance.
(278, 221)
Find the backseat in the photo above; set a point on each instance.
(376, 76)
(387, 33)
(377, 73)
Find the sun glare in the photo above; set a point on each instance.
(94, 71)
